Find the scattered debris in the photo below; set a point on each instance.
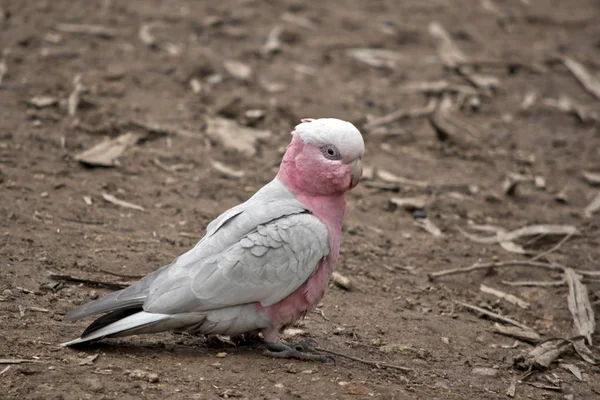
(570, 106)
(88, 200)
(4, 370)
(535, 283)
(504, 296)
(427, 225)
(525, 335)
(403, 114)
(449, 52)
(452, 128)
(389, 177)
(89, 360)
(437, 88)
(121, 203)
(18, 361)
(234, 136)
(506, 239)
(341, 281)
(579, 306)
(145, 35)
(484, 371)
(593, 207)
(172, 168)
(528, 101)
(592, 177)
(589, 82)
(227, 171)
(583, 351)
(273, 44)
(376, 58)
(43, 101)
(89, 282)
(142, 375)
(93, 30)
(74, 99)
(106, 153)
(573, 369)
(543, 354)
(410, 203)
(238, 70)
(494, 316)
(512, 389)
(298, 20)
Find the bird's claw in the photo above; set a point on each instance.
(303, 350)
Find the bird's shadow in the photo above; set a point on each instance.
(180, 345)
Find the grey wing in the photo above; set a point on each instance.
(265, 266)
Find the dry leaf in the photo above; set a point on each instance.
(105, 154)
(543, 354)
(121, 203)
(402, 114)
(89, 360)
(505, 296)
(580, 306)
(234, 136)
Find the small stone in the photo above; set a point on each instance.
(221, 355)
(93, 295)
(445, 340)
(485, 372)
(44, 194)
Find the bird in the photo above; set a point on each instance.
(261, 266)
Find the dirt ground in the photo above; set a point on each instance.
(395, 314)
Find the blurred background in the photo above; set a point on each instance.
(126, 126)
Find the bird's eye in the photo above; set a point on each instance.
(331, 152)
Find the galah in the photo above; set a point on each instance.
(262, 265)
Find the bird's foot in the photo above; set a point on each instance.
(303, 350)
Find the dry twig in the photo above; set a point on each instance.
(121, 203)
(504, 296)
(94, 30)
(376, 364)
(89, 282)
(493, 316)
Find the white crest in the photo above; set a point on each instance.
(334, 131)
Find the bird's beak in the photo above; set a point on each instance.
(356, 172)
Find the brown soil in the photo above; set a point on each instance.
(47, 226)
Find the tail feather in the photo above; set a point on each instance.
(109, 319)
(131, 297)
(140, 322)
